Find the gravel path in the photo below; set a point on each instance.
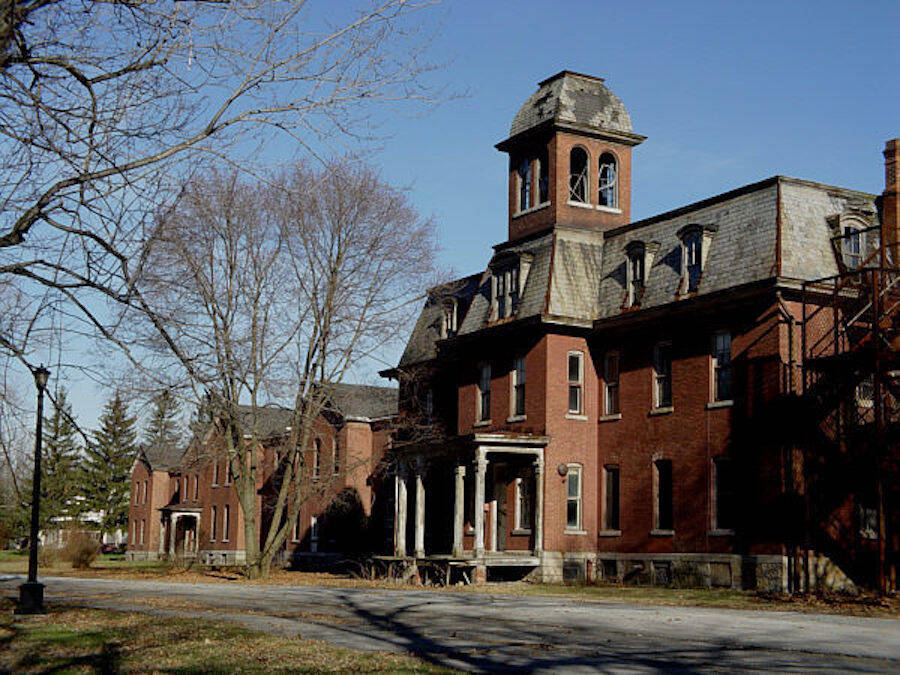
(501, 632)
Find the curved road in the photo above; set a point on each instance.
(481, 632)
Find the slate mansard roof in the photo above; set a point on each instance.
(577, 276)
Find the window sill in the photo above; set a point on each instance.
(608, 209)
(516, 418)
(580, 205)
(520, 532)
(662, 411)
(532, 209)
(713, 405)
(662, 533)
(721, 533)
(576, 416)
(575, 532)
(609, 533)
(482, 423)
(615, 417)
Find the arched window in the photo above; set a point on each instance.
(525, 184)
(543, 176)
(609, 181)
(578, 175)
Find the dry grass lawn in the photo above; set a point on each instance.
(88, 640)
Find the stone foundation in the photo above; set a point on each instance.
(224, 558)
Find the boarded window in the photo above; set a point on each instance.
(611, 501)
(663, 485)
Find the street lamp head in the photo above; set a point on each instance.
(41, 375)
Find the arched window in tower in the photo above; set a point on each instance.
(525, 184)
(609, 181)
(578, 175)
(543, 176)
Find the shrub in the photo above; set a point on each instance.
(81, 550)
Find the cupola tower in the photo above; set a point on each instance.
(569, 152)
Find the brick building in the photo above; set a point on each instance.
(184, 503)
(637, 400)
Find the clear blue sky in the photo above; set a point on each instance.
(727, 94)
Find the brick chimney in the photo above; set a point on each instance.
(890, 207)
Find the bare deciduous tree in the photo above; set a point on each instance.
(273, 291)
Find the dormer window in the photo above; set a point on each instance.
(524, 172)
(695, 244)
(448, 318)
(635, 270)
(609, 182)
(506, 291)
(578, 175)
(852, 247)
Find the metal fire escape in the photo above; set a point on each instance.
(851, 380)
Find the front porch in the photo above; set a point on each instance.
(476, 503)
(179, 530)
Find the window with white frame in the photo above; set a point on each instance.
(692, 255)
(724, 500)
(146, 484)
(721, 366)
(317, 458)
(662, 375)
(143, 528)
(610, 497)
(314, 534)
(229, 475)
(543, 176)
(575, 377)
(609, 181)
(662, 489)
(215, 480)
(852, 246)
(634, 273)
(524, 180)
(448, 318)
(214, 517)
(484, 392)
(573, 497)
(611, 384)
(517, 387)
(196, 488)
(579, 175)
(184, 494)
(506, 291)
(226, 521)
(523, 503)
(295, 531)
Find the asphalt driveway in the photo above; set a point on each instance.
(482, 632)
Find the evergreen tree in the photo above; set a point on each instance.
(107, 465)
(164, 427)
(59, 464)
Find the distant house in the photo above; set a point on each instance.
(183, 501)
(60, 528)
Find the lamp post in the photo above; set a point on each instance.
(31, 593)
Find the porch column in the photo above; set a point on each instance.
(480, 470)
(197, 534)
(161, 549)
(400, 506)
(172, 529)
(459, 507)
(538, 505)
(420, 510)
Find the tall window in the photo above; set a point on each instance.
(336, 454)
(721, 366)
(611, 498)
(143, 528)
(611, 384)
(523, 503)
(184, 493)
(314, 534)
(295, 531)
(518, 386)
(662, 374)
(543, 181)
(228, 473)
(484, 392)
(573, 497)
(213, 524)
(506, 291)
(215, 474)
(575, 378)
(524, 172)
(317, 459)
(663, 488)
(428, 405)
(724, 501)
(226, 522)
(196, 488)
(635, 273)
(609, 181)
(693, 261)
(578, 175)
(448, 318)
(852, 246)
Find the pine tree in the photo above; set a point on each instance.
(60, 460)
(108, 463)
(164, 427)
